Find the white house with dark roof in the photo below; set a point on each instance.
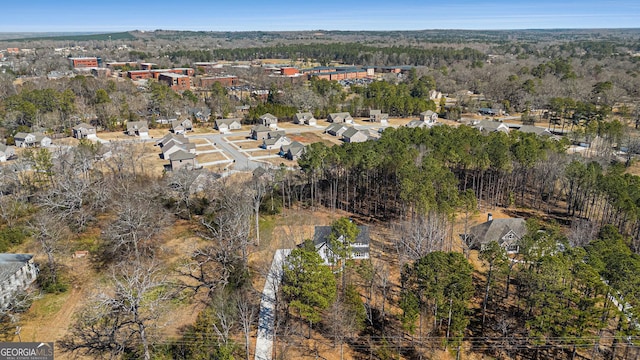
(31, 140)
(226, 125)
(181, 126)
(138, 128)
(429, 116)
(341, 117)
(336, 129)
(488, 126)
(506, 232)
(305, 118)
(17, 273)
(359, 248)
(84, 131)
(275, 142)
(269, 120)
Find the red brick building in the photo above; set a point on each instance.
(139, 74)
(336, 73)
(288, 71)
(175, 81)
(207, 82)
(84, 62)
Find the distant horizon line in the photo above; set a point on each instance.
(311, 30)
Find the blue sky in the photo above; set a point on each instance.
(213, 15)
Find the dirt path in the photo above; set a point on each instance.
(50, 316)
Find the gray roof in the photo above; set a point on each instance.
(340, 115)
(11, 263)
(137, 125)
(182, 155)
(350, 132)
(228, 121)
(83, 126)
(335, 127)
(20, 135)
(260, 128)
(534, 129)
(268, 116)
(304, 116)
(495, 229)
(489, 126)
(277, 133)
(321, 233)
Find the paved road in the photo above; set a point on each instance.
(266, 318)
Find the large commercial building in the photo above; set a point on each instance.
(85, 62)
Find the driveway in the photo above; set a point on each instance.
(266, 317)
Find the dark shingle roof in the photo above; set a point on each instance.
(321, 234)
(495, 229)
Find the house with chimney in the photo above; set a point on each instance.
(506, 232)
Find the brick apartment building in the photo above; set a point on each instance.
(148, 74)
(207, 82)
(288, 71)
(85, 62)
(338, 73)
(176, 81)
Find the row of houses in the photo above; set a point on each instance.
(179, 151)
(24, 140)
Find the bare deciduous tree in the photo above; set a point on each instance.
(139, 219)
(582, 232)
(422, 235)
(120, 319)
(52, 236)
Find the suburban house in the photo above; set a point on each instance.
(429, 116)
(226, 125)
(17, 272)
(182, 159)
(138, 128)
(359, 248)
(6, 152)
(341, 117)
(418, 124)
(269, 120)
(336, 129)
(31, 140)
(260, 132)
(200, 114)
(378, 116)
(530, 129)
(353, 135)
(174, 146)
(488, 126)
(506, 232)
(179, 138)
(181, 127)
(275, 142)
(292, 151)
(304, 118)
(84, 131)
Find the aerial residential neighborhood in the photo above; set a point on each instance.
(418, 194)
